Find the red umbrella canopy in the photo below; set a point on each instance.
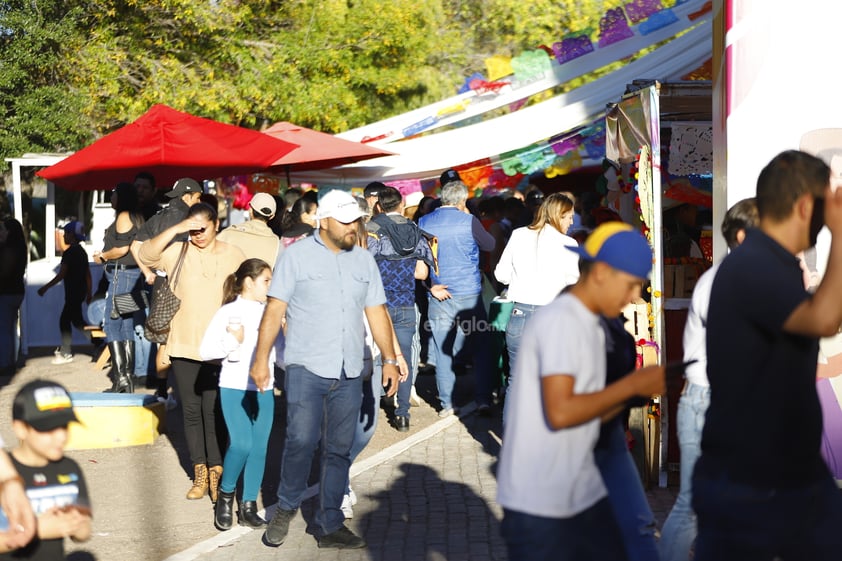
(318, 150)
(170, 145)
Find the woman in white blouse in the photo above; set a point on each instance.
(536, 266)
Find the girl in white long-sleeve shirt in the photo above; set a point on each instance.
(247, 409)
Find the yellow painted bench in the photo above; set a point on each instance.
(109, 420)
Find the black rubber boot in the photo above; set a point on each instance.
(114, 374)
(129, 373)
(223, 513)
(120, 374)
(248, 515)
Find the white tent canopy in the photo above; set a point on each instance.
(427, 156)
(473, 103)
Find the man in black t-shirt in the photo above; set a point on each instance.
(76, 274)
(147, 196)
(185, 193)
(760, 488)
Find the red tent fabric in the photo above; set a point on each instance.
(170, 145)
(318, 150)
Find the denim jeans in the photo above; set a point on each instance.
(679, 531)
(96, 312)
(514, 331)
(9, 306)
(122, 327)
(626, 495)
(460, 329)
(415, 356)
(368, 415)
(403, 319)
(591, 535)
(372, 389)
(248, 416)
(318, 409)
(739, 522)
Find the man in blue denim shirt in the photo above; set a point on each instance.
(459, 319)
(321, 288)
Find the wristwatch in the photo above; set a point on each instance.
(391, 361)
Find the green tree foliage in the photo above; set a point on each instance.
(39, 108)
(327, 64)
(72, 70)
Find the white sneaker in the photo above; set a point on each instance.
(347, 508)
(352, 495)
(61, 358)
(414, 400)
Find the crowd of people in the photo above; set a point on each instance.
(337, 301)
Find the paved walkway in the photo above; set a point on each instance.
(426, 496)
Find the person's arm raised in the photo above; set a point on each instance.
(821, 315)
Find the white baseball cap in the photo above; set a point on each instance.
(339, 205)
(264, 204)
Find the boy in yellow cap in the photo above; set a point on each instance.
(554, 501)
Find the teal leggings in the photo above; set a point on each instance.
(248, 416)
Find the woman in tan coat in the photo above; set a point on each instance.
(207, 262)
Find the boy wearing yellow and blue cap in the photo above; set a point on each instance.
(54, 484)
(553, 496)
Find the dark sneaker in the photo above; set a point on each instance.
(278, 528)
(402, 423)
(343, 538)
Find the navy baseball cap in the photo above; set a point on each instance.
(448, 176)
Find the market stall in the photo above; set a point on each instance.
(659, 135)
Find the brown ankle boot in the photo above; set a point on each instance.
(215, 476)
(200, 482)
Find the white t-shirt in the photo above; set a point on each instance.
(217, 343)
(536, 265)
(544, 472)
(695, 330)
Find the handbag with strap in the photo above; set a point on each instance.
(165, 304)
(127, 303)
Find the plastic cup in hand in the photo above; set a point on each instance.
(234, 324)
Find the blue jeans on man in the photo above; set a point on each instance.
(403, 320)
(314, 403)
(460, 329)
(679, 531)
(591, 535)
(625, 493)
(740, 522)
